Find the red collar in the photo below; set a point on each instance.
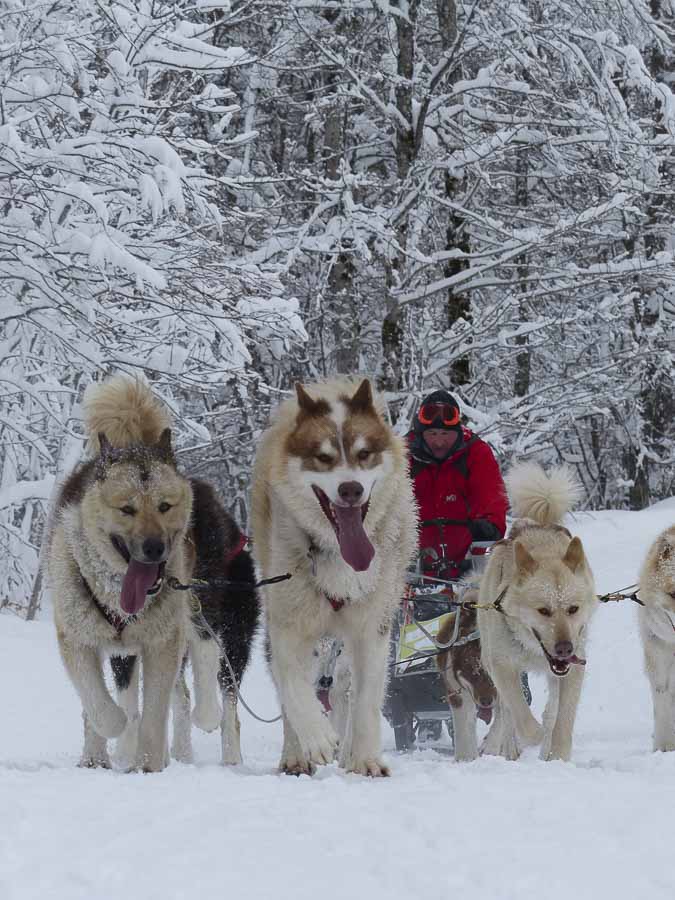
(241, 543)
(336, 602)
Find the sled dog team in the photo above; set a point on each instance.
(135, 541)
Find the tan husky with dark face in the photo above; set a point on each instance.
(332, 505)
(121, 525)
(127, 524)
(548, 596)
(657, 631)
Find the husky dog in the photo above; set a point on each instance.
(128, 526)
(332, 504)
(547, 596)
(471, 692)
(657, 631)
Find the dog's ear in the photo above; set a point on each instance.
(574, 555)
(105, 447)
(164, 448)
(105, 456)
(362, 401)
(525, 562)
(307, 405)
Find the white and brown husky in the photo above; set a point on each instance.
(127, 524)
(545, 585)
(657, 631)
(333, 505)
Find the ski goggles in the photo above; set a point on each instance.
(430, 412)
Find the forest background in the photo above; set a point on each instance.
(234, 196)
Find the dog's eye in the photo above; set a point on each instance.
(572, 610)
(363, 455)
(324, 458)
(128, 510)
(164, 506)
(544, 611)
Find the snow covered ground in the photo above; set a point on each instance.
(598, 827)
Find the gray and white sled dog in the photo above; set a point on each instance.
(548, 597)
(332, 503)
(126, 523)
(657, 631)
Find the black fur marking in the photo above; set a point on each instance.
(231, 612)
(123, 670)
(76, 484)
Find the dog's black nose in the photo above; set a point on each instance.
(485, 702)
(153, 549)
(563, 649)
(325, 682)
(350, 492)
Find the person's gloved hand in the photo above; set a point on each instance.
(482, 530)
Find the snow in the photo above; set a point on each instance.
(490, 830)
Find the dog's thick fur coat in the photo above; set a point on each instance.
(548, 596)
(657, 632)
(332, 504)
(126, 522)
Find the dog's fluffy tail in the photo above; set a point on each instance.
(541, 496)
(125, 410)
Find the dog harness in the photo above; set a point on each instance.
(336, 602)
(113, 618)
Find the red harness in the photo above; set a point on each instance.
(241, 543)
(336, 602)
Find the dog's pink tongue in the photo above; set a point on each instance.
(355, 546)
(577, 660)
(137, 582)
(322, 694)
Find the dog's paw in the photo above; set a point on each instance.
(374, 768)
(97, 761)
(563, 754)
(532, 734)
(126, 746)
(509, 749)
(319, 744)
(152, 762)
(296, 765)
(468, 755)
(181, 751)
(207, 716)
(108, 721)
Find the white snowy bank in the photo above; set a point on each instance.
(596, 828)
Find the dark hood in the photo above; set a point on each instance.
(422, 456)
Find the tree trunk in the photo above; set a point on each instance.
(457, 235)
(392, 328)
(521, 384)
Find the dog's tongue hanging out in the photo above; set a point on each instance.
(138, 580)
(355, 545)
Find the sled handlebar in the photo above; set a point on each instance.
(442, 521)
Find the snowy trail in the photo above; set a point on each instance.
(597, 827)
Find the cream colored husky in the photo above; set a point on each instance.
(332, 504)
(548, 597)
(657, 630)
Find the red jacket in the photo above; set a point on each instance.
(466, 485)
